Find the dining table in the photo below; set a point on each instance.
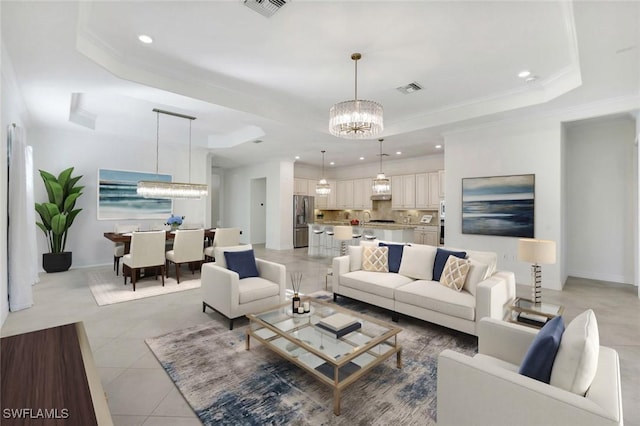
(125, 238)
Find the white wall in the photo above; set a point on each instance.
(601, 199)
(88, 151)
(534, 146)
(279, 201)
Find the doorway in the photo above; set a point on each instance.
(258, 211)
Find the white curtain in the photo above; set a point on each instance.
(22, 249)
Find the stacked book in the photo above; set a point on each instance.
(339, 324)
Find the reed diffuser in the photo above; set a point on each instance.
(296, 281)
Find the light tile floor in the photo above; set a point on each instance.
(141, 393)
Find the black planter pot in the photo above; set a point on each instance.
(56, 262)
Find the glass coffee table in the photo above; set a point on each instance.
(335, 361)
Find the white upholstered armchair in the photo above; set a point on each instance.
(488, 390)
(224, 291)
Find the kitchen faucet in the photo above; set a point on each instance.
(366, 212)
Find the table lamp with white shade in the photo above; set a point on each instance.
(537, 252)
(343, 234)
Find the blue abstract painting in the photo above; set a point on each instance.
(499, 205)
(118, 199)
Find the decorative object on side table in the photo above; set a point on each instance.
(296, 281)
(174, 222)
(537, 252)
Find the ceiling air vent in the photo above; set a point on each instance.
(409, 88)
(265, 7)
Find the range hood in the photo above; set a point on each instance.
(381, 197)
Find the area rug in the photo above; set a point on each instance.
(227, 385)
(108, 288)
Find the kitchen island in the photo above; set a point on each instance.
(322, 244)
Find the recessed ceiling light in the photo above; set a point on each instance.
(145, 39)
(258, 141)
(297, 157)
(531, 78)
(398, 152)
(333, 163)
(362, 158)
(524, 74)
(438, 146)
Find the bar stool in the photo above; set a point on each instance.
(316, 247)
(328, 241)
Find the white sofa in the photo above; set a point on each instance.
(412, 291)
(487, 389)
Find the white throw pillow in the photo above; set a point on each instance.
(477, 273)
(355, 258)
(454, 273)
(486, 257)
(576, 362)
(218, 253)
(375, 259)
(417, 262)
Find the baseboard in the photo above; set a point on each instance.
(590, 275)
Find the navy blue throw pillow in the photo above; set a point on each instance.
(242, 262)
(395, 255)
(538, 361)
(441, 259)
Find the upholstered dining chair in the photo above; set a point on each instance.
(187, 248)
(118, 248)
(224, 237)
(146, 251)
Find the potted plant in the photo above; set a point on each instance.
(57, 216)
(174, 222)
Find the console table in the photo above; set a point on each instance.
(49, 378)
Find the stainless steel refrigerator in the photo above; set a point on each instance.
(302, 217)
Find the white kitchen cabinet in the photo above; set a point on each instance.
(362, 194)
(403, 192)
(300, 186)
(434, 190)
(441, 179)
(422, 190)
(328, 202)
(311, 187)
(344, 194)
(426, 235)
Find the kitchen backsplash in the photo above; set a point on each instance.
(381, 210)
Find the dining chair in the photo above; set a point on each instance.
(187, 248)
(118, 248)
(146, 251)
(223, 237)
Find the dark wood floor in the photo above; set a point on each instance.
(43, 380)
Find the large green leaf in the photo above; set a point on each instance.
(44, 215)
(71, 216)
(72, 183)
(70, 202)
(59, 224)
(47, 178)
(63, 178)
(44, 228)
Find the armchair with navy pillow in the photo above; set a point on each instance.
(238, 283)
(553, 376)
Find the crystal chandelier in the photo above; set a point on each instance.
(160, 189)
(356, 119)
(322, 187)
(381, 184)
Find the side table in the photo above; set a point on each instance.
(524, 311)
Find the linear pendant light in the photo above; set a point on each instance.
(159, 189)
